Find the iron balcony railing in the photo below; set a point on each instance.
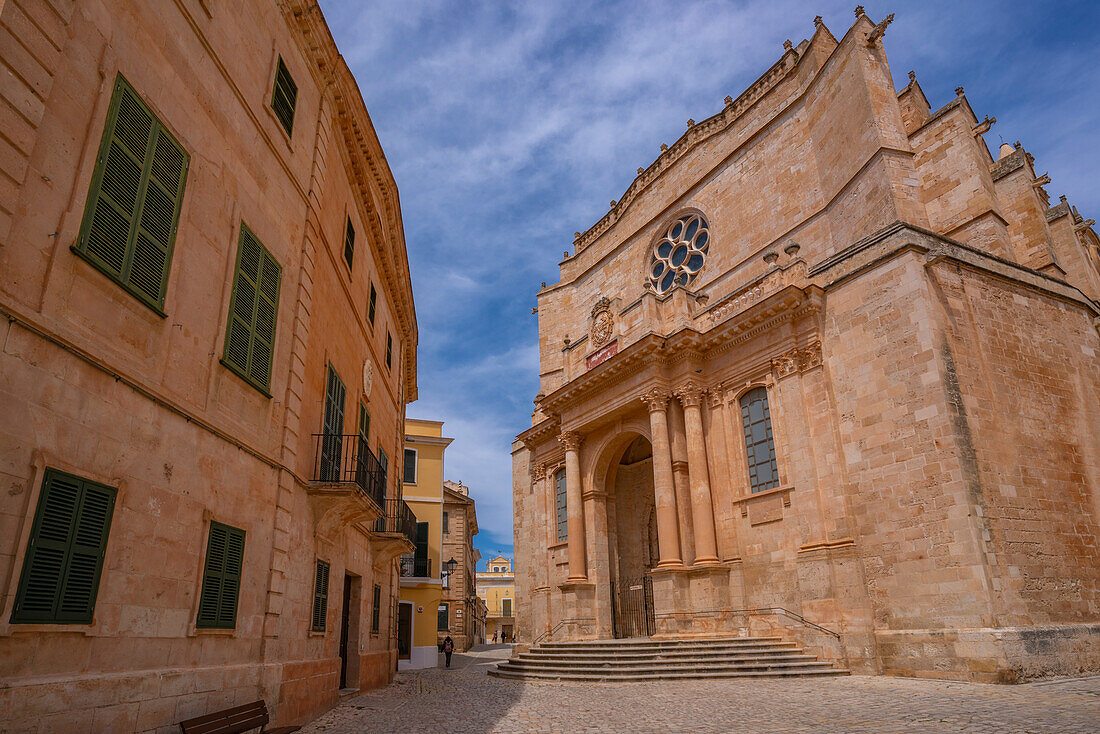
(348, 460)
(418, 567)
(399, 519)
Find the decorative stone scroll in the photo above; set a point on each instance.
(603, 323)
(799, 360)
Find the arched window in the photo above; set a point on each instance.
(759, 447)
(563, 517)
(680, 253)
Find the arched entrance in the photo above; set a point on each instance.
(632, 539)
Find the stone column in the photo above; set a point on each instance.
(574, 505)
(668, 531)
(702, 507)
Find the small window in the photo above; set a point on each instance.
(410, 467)
(506, 607)
(349, 243)
(446, 522)
(384, 461)
(320, 597)
(253, 308)
(759, 446)
(376, 610)
(372, 306)
(389, 350)
(129, 225)
(285, 97)
(563, 515)
(443, 620)
(221, 577)
(61, 572)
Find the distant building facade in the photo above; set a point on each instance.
(421, 577)
(497, 586)
(826, 359)
(458, 612)
(209, 344)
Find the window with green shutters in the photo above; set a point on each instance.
(389, 350)
(372, 305)
(320, 597)
(349, 243)
(221, 577)
(133, 207)
(253, 308)
(65, 552)
(376, 609)
(443, 618)
(285, 97)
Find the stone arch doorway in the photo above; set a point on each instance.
(632, 537)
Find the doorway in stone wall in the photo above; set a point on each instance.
(632, 537)
(404, 630)
(349, 633)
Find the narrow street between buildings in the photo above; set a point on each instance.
(464, 700)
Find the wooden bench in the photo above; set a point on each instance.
(234, 721)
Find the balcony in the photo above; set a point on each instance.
(348, 485)
(394, 533)
(414, 567)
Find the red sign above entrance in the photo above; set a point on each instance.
(603, 354)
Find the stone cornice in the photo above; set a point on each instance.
(367, 169)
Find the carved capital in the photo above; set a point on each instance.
(538, 471)
(810, 357)
(570, 440)
(785, 364)
(715, 397)
(656, 398)
(690, 394)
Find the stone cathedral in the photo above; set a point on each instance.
(828, 365)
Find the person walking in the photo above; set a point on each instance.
(448, 648)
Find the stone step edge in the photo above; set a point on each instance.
(625, 670)
(792, 647)
(621, 663)
(670, 676)
(650, 641)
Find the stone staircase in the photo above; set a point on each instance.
(646, 659)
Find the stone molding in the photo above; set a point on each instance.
(538, 471)
(797, 360)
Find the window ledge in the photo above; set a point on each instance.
(765, 493)
(212, 632)
(316, 633)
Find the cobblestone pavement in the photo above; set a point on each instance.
(465, 699)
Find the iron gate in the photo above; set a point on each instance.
(632, 608)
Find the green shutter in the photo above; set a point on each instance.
(65, 553)
(372, 305)
(389, 350)
(133, 207)
(375, 612)
(349, 243)
(253, 311)
(284, 97)
(221, 578)
(320, 597)
(364, 423)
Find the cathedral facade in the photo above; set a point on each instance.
(828, 369)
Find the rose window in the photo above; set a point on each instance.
(679, 255)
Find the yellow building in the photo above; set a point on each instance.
(421, 586)
(497, 586)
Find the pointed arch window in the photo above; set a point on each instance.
(759, 446)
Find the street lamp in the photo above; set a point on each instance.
(450, 566)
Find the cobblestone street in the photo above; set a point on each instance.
(465, 699)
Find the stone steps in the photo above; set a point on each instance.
(644, 659)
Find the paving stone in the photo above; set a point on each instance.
(466, 699)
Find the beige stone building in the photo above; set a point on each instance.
(208, 344)
(827, 360)
(458, 613)
(496, 585)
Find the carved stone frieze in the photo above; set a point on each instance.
(810, 357)
(786, 364)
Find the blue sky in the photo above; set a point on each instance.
(511, 125)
